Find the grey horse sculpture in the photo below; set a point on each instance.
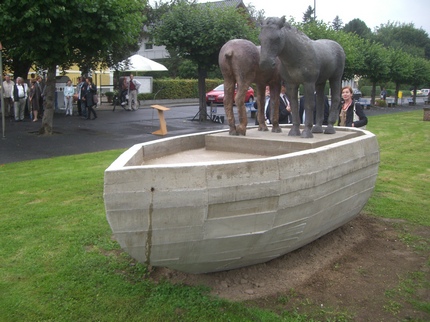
(239, 61)
(308, 62)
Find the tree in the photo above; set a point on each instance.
(405, 37)
(401, 67)
(197, 32)
(55, 33)
(309, 15)
(420, 74)
(337, 23)
(358, 27)
(376, 65)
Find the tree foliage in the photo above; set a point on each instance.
(405, 37)
(358, 27)
(337, 23)
(53, 33)
(64, 32)
(376, 63)
(309, 15)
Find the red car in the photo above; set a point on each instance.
(216, 95)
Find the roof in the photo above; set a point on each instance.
(227, 3)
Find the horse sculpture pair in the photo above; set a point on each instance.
(302, 61)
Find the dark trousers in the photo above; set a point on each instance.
(78, 105)
(91, 110)
(8, 107)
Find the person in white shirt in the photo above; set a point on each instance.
(19, 95)
(133, 87)
(7, 97)
(69, 90)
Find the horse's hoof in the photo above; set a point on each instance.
(241, 130)
(294, 132)
(232, 132)
(263, 128)
(329, 130)
(317, 129)
(276, 129)
(307, 134)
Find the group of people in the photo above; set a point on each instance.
(86, 98)
(18, 95)
(351, 113)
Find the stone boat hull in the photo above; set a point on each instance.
(209, 202)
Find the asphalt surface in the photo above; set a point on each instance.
(117, 129)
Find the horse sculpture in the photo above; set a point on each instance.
(239, 61)
(308, 62)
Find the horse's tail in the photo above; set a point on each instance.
(229, 54)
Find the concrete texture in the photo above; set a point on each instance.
(198, 215)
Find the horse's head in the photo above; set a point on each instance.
(271, 41)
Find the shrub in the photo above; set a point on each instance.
(380, 103)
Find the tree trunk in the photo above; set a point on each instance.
(373, 93)
(203, 113)
(414, 98)
(396, 97)
(49, 103)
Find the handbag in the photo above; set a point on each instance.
(95, 99)
(356, 118)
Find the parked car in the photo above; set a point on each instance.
(356, 94)
(216, 96)
(425, 91)
(419, 93)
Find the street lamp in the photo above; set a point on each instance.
(3, 122)
(315, 10)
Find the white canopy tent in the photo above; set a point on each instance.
(140, 63)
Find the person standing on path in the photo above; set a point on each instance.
(8, 101)
(68, 97)
(19, 95)
(133, 87)
(34, 97)
(90, 91)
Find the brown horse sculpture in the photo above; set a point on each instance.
(308, 62)
(239, 61)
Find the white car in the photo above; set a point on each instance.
(425, 91)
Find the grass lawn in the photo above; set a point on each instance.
(58, 261)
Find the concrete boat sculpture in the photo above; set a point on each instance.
(209, 202)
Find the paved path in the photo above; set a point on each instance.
(111, 130)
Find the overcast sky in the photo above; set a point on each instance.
(372, 12)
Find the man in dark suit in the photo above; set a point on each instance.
(326, 110)
(284, 108)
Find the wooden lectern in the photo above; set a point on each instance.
(163, 126)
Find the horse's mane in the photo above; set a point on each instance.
(282, 23)
(299, 33)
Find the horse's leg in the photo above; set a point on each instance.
(335, 86)
(261, 100)
(292, 90)
(309, 90)
(317, 128)
(275, 90)
(228, 104)
(240, 103)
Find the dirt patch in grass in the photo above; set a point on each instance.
(363, 271)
